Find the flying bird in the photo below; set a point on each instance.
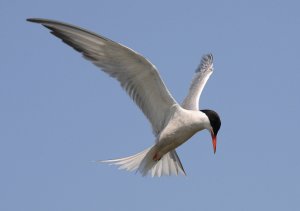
(173, 124)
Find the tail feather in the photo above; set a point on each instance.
(143, 162)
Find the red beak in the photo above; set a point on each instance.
(214, 141)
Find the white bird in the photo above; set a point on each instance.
(172, 124)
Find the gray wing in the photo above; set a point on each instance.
(203, 72)
(135, 73)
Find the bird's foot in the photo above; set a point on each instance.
(156, 157)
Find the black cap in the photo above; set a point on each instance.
(214, 120)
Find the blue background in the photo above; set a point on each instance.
(58, 112)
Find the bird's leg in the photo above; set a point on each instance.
(156, 157)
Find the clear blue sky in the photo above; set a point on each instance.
(58, 112)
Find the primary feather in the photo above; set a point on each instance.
(203, 72)
(135, 73)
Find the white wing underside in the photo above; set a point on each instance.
(136, 74)
(203, 72)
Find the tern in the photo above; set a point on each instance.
(173, 124)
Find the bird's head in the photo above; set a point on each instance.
(215, 124)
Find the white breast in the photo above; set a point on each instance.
(182, 126)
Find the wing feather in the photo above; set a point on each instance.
(138, 77)
(203, 72)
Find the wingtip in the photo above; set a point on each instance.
(39, 20)
(34, 20)
(206, 62)
(208, 57)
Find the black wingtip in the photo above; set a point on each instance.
(31, 20)
(36, 20)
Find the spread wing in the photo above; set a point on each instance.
(136, 74)
(203, 72)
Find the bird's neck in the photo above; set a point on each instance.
(199, 120)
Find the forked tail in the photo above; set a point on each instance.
(144, 163)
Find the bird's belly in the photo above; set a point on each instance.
(173, 140)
